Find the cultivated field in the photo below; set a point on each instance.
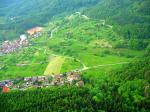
(54, 65)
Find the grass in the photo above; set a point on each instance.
(70, 64)
(35, 65)
(54, 66)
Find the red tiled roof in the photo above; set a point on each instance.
(5, 89)
(34, 30)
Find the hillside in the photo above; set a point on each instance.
(131, 17)
(77, 39)
(16, 16)
(89, 56)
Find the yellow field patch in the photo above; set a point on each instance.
(54, 65)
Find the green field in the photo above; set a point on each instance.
(70, 65)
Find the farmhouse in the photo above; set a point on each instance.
(35, 32)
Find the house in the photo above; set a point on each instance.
(9, 83)
(41, 78)
(70, 78)
(27, 78)
(2, 84)
(34, 79)
(58, 80)
(23, 37)
(5, 89)
(73, 77)
(11, 46)
(34, 31)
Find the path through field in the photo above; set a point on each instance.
(54, 65)
(87, 68)
(53, 31)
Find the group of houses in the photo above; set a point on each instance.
(71, 78)
(11, 46)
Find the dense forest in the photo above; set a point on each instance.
(126, 90)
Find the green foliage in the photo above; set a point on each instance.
(125, 89)
(148, 51)
(25, 62)
(138, 44)
(0, 89)
(131, 17)
(51, 99)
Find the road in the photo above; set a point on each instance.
(53, 31)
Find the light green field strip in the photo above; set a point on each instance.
(54, 65)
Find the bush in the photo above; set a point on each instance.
(120, 45)
(137, 44)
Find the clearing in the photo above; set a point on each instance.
(54, 66)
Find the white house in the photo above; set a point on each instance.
(23, 37)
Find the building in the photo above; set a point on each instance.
(41, 78)
(5, 89)
(58, 80)
(73, 77)
(28, 79)
(34, 31)
(23, 37)
(34, 79)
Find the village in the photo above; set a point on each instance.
(71, 78)
(11, 46)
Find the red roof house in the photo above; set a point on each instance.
(5, 89)
(34, 30)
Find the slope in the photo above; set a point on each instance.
(131, 17)
(19, 15)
